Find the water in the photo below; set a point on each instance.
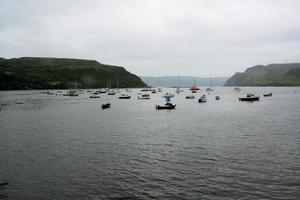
(57, 147)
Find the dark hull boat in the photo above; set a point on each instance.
(249, 97)
(167, 106)
(94, 96)
(268, 94)
(105, 106)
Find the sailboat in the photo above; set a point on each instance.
(178, 90)
(194, 88)
(210, 88)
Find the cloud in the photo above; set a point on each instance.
(157, 37)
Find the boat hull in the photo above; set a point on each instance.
(105, 106)
(158, 107)
(249, 98)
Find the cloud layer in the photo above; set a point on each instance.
(155, 37)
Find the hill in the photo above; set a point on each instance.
(62, 73)
(269, 75)
(182, 81)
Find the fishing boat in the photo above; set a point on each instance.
(190, 97)
(124, 96)
(167, 106)
(267, 94)
(249, 97)
(105, 106)
(202, 99)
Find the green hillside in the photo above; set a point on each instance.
(269, 75)
(62, 73)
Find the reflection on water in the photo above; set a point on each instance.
(58, 147)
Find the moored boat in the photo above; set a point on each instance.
(202, 99)
(105, 106)
(190, 97)
(249, 97)
(94, 96)
(167, 106)
(267, 94)
(124, 96)
(111, 92)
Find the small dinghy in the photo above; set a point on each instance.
(249, 97)
(167, 106)
(105, 106)
(202, 99)
(190, 97)
(268, 94)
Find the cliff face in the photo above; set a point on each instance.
(62, 73)
(269, 75)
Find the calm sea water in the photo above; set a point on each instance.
(57, 147)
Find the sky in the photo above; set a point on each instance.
(155, 37)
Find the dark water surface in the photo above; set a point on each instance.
(57, 147)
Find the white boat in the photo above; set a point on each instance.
(202, 99)
(124, 96)
(111, 92)
(190, 97)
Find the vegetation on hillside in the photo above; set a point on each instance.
(269, 75)
(62, 73)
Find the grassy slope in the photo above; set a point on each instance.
(41, 73)
(270, 75)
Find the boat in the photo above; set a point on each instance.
(209, 88)
(218, 97)
(249, 97)
(72, 93)
(124, 96)
(102, 91)
(111, 92)
(190, 97)
(237, 89)
(146, 90)
(268, 94)
(194, 89)
(167, 106)
(94, 96)
(153, 91)
(202, 99)
(105, 106)
(143, 98)
(159, 90)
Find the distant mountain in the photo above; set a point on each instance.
(269, 75)
(182, 81)
(60, 73)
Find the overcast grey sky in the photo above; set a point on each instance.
(155, 37)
